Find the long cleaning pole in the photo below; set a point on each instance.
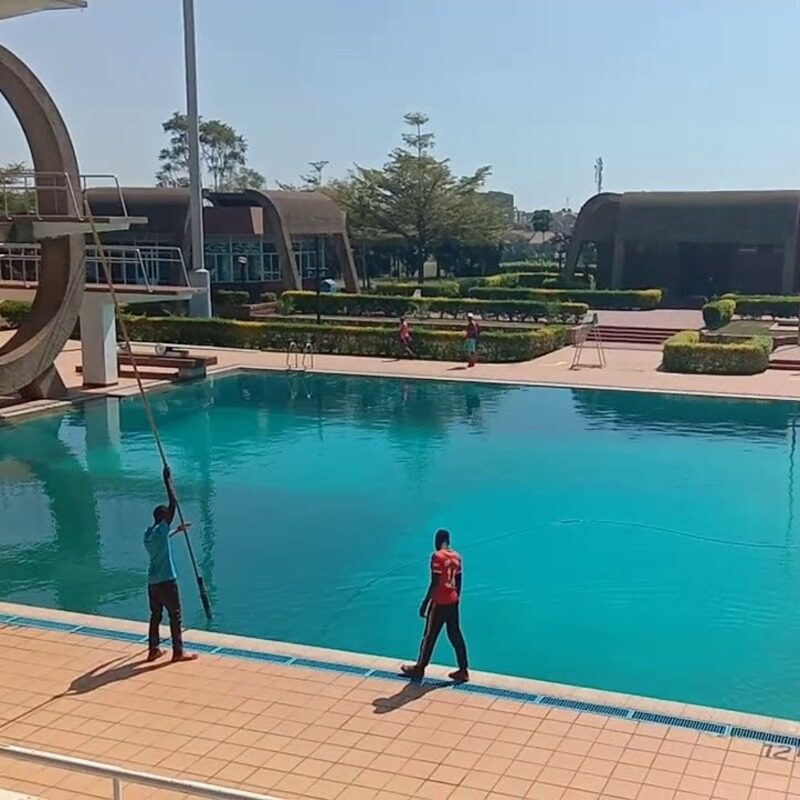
(148, 409)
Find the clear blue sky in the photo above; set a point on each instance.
(674, 94)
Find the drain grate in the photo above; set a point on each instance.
(678, 722)
(253, 655)
(766, 736)
(44, 624)
(330, 666)
(106, 633)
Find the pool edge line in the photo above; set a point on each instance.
(566, 697)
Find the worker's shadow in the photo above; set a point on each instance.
(104, 674)
(411, 691)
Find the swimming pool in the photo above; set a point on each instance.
(641, 543)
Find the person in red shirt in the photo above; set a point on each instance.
(405, 337)
(440, 608)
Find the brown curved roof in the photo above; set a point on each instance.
(302, 213)
(166, 208)
(756, 217)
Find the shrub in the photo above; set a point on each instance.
(528, 266)
(685, 353)
(718, 313)
(358, 305)
(268, 297)
(504, 279)
(226, 297)
(495, 346)
(767, 306)
(628, 299)
(436, 288)
(14, 311)
(535, 280)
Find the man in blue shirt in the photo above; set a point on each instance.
(162, 580)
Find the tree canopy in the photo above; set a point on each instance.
(417, 201)
(223, 154)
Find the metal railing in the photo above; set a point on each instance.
(119, 777)
(130, 265)
(24, 193)
(300, 359)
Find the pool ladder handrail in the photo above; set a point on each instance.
(308, 355)
(300, 360)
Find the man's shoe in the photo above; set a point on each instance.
(412, 671)
(183, 657)
(460, 676)
(153, 655)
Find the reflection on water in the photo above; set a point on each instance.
(314, 499)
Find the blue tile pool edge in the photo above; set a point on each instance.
(533, 698)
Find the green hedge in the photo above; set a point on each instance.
(13, 311)
(535, 280)
(358, 305)
(685, 353)
(268, 297)
(229, 297)
(767, 305)
(528, 266)
(435, 288)
(495, 346)
(718, 313)
(629, 299)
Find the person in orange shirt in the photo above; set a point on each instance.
(440, 608)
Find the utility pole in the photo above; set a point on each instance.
(598, 174)
(318, 166)
(200, 303)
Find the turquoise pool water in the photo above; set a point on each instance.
(641, 543)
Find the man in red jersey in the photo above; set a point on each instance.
(440, 608)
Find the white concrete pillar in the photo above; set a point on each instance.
(200, 303)
(98, 340)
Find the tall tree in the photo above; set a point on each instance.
(223, 154)
(13, 193)
(416, 199)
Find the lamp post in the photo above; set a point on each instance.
(201, 302)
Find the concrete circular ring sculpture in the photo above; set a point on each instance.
(26, 360)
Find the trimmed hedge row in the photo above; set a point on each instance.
(528, 266)
(685, 353)
(13, 311)
(231, 297)
(495, 346)
(629, 299)
(358, 305)
(718, 313)
(753, 306)
(407, 288)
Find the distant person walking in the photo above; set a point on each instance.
(471, 343)
(440, 608)
(162, 579)
(406, 339)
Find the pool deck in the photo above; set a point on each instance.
(631, 369)
(299, 722)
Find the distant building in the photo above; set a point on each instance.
(693, 243)
(254, 241)
(504, 201)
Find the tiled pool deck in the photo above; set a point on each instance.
(305, 723)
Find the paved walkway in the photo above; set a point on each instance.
(298, 732)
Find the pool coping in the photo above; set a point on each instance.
(43, 407)
(525, 691)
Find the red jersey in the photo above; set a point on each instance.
(445, 564)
